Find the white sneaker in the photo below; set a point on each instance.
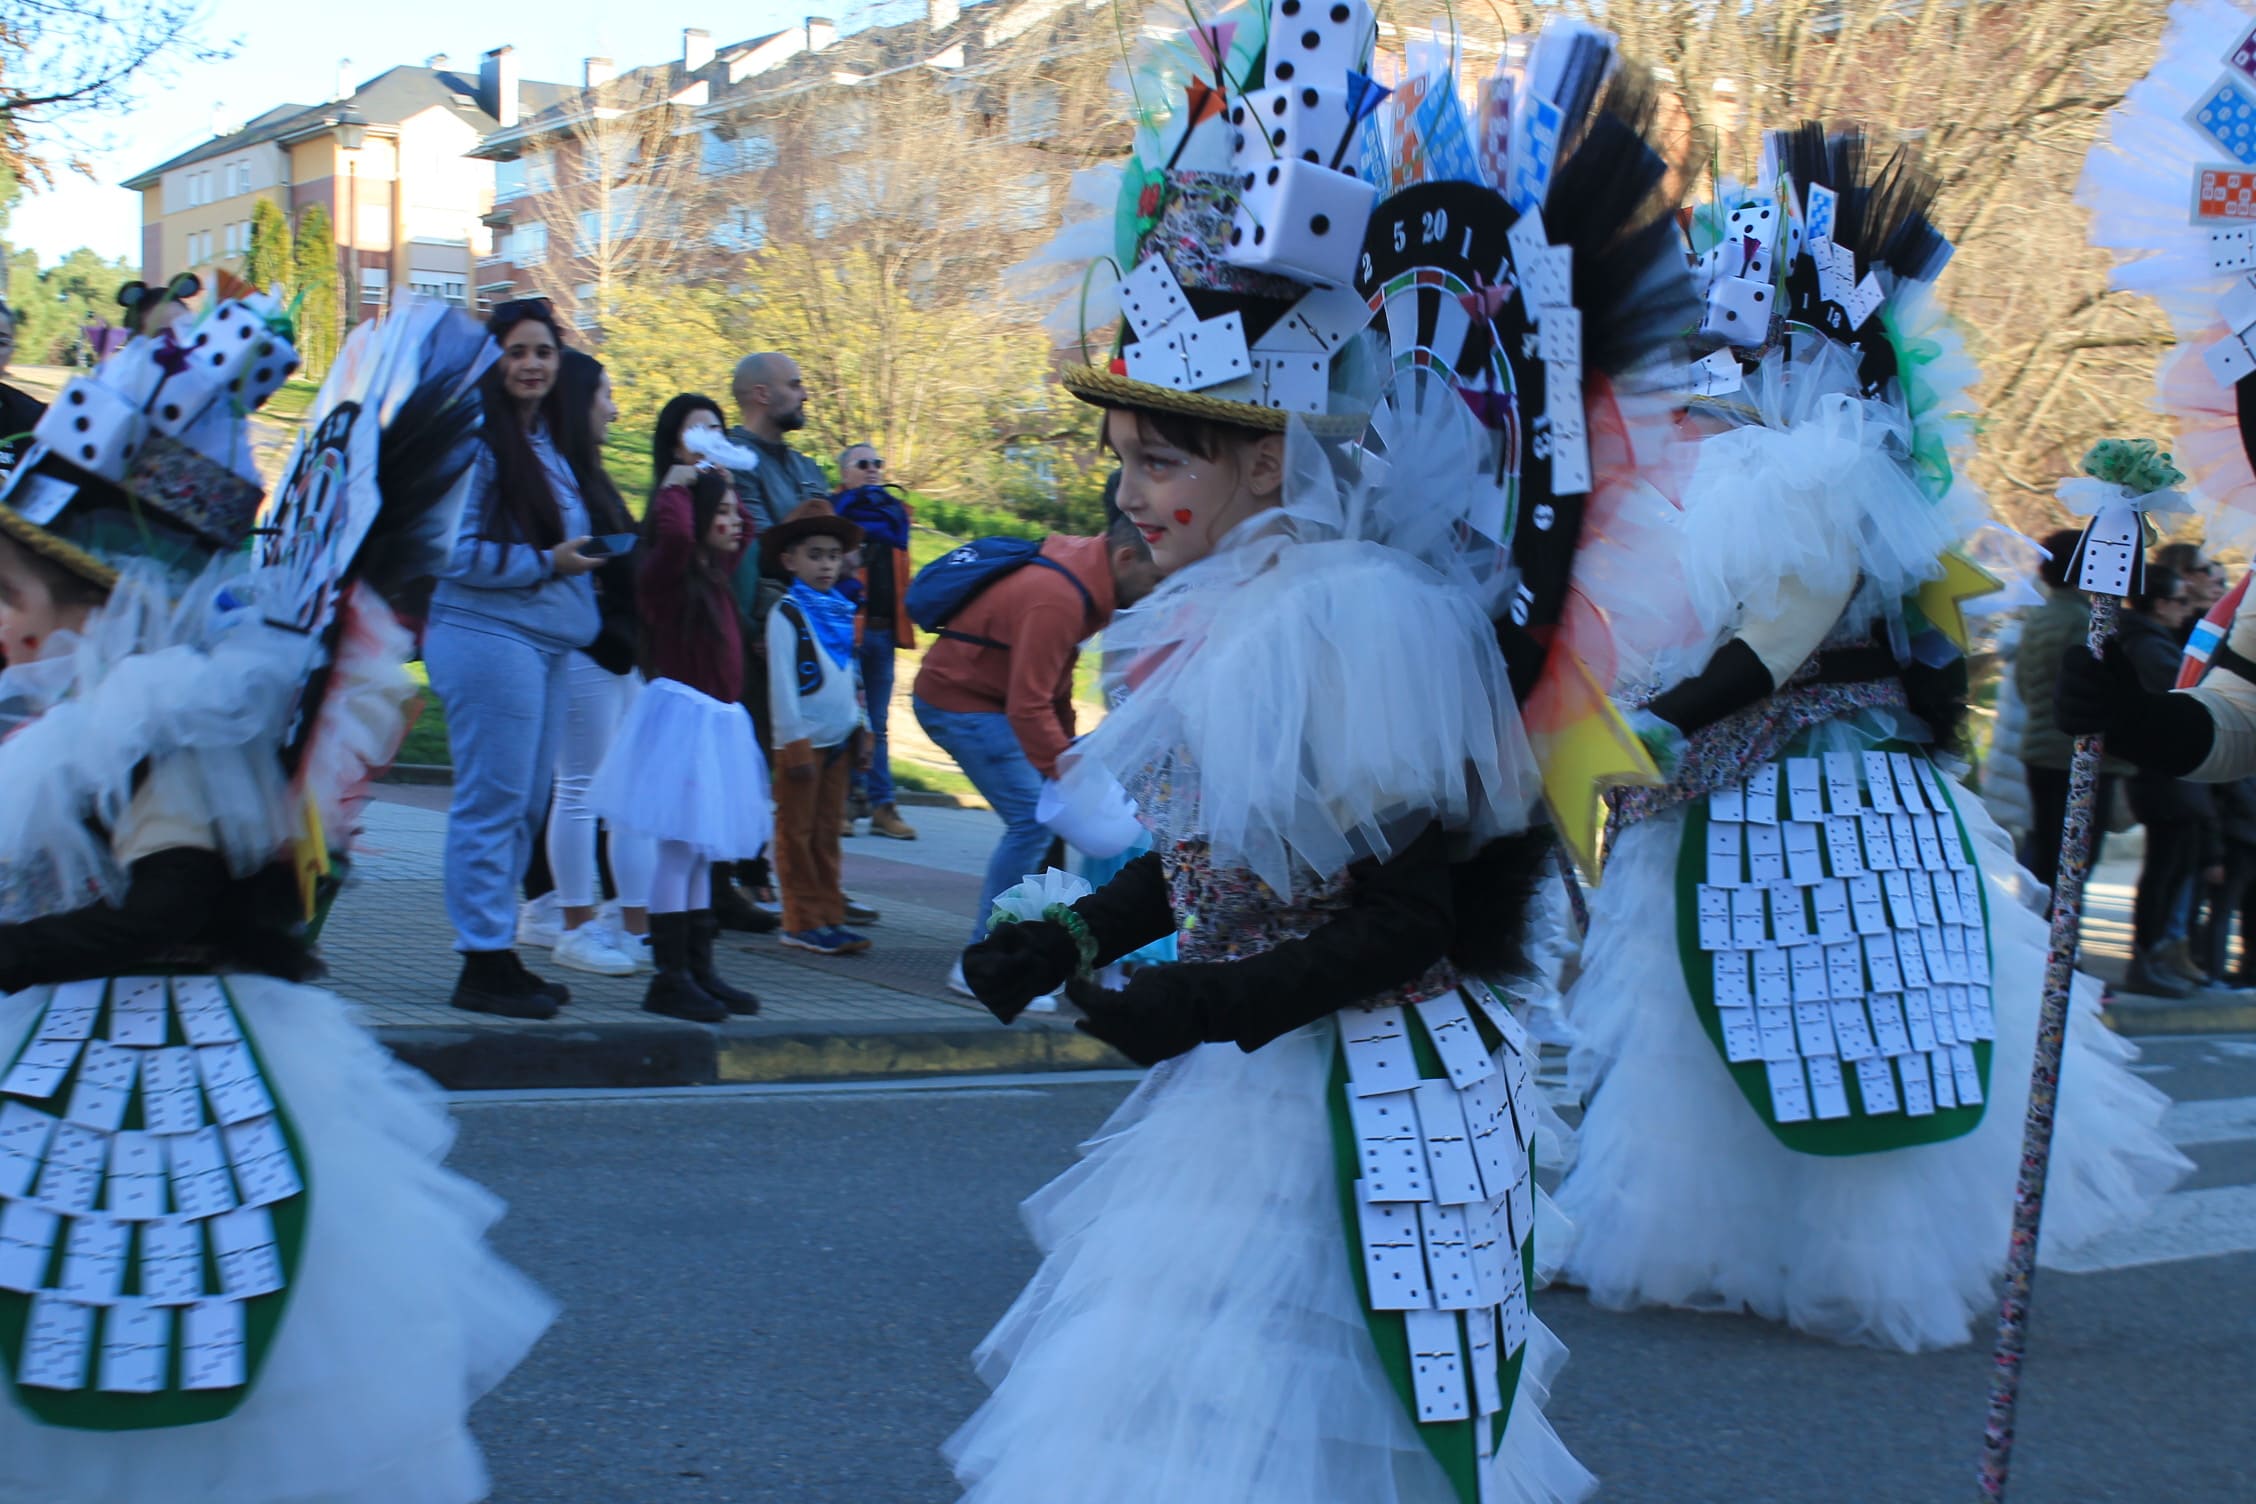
(589, 948)
(540, 921)
(958, 985)
(634, 947)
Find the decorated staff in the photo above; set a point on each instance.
(2124, 480)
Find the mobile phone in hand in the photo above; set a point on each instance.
(608, 545)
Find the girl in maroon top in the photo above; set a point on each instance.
(684, 769)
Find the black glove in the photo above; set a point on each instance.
(2164, 733)
(1018, 963)
(170, 899)
(1734, 679)
(1399, 924)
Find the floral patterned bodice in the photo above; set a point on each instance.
(1226, 913)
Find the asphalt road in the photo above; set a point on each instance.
(771, 1296)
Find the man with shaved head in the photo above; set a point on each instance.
(771, 400)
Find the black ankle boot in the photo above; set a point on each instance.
(533, 981)
(733, 911)
(703, 931)
(493, 981)
(674, 991)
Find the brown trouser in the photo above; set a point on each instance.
(808, 814)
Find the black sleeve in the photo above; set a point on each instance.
(170, 901)
(1399, 924)
(2166, 733)
(1734, 679)
(1131, 911)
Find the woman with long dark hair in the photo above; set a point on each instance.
(515, 601)
(599, 684)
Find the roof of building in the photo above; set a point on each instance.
(390, 97)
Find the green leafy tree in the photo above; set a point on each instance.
(269, 261)
(313, 280)
(54, 304)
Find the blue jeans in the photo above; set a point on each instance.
(876, 654)
(504, 698)
(985, 747)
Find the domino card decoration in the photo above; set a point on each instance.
(1840, 991)
(150, 1189)
(1438, 1106)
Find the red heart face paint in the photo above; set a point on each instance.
(1182, 517)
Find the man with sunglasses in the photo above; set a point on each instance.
(878, 508)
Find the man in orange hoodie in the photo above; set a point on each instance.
(996, 690)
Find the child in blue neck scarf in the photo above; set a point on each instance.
(821, 728)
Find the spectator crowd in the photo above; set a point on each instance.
(662, 729)
(2197, 872)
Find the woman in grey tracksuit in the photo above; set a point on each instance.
(516, 599)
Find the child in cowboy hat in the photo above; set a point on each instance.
(821, 728)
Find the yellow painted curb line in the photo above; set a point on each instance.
(839, 1057)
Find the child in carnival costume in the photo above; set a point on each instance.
(1294, 1268)
(1806, 1019)
(234, 1267)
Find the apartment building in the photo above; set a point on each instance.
(390, 162)
(955, 130)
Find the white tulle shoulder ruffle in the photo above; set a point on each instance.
(196, 676)
(1299, 705)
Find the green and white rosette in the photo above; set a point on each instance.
(153, 1206)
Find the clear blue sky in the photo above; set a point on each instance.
(293, 56)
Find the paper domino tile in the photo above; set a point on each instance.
(1444, 1202)
(112, 1209)
(1867, 1007)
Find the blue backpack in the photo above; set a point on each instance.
(953, 581)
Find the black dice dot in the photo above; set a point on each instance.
(1321, 224)
(1339, 15)
(1310, 156)
(1311, 40)
(1284, 72)
(1277, 137)
(1272, 174)
(1277, 105)
(1260, 233)
(1236, 235)
(1308, 98)
(81, 424)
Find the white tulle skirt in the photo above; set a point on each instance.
(1194, 1333)
(399, 1317)
(684, 767)
(1681, 1196)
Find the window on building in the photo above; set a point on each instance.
(509, 180)
(722, 156)
(586, 295)
(231, 240)
(842, 129)
(373, 282)
(822, 216)
(540, 171)
(741, 228)
(528, 244)
(1026, 203)
(447, 289)
(1033, 113)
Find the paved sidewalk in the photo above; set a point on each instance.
(887, 1012)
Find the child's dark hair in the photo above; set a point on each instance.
(1200, 436)
(665, 439)
(579, 376)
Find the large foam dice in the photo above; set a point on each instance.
(271, 364)
(1738, 311)
(227, 341)
(1301, 220)
(184, 398)
(1318, 41)
(1302, 122)
(93, 427)
(1756, 219)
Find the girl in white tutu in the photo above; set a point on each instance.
(1808, 1002)
(685, 771)
(232, 1266)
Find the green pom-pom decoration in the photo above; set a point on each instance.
(2139, 466)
